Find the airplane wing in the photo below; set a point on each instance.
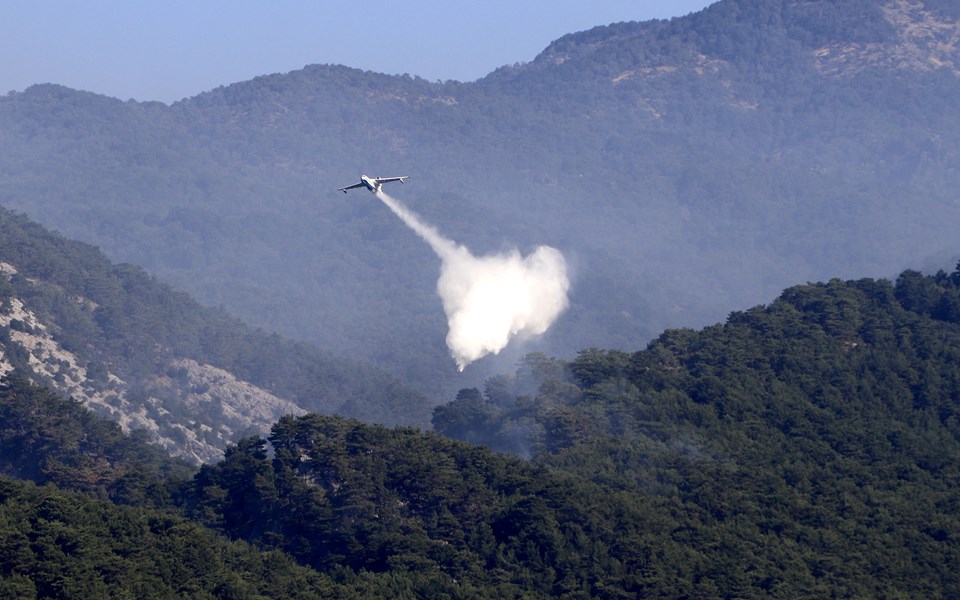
(350, 187)
(389, 179)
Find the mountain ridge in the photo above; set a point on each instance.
(151, 358)
(706, 148)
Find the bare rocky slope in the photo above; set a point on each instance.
(190, 409)
(150, 358)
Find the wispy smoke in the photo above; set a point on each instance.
(490, 299)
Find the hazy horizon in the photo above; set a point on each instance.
(154, 52)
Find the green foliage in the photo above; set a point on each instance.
(338, 493)
(57, 544)
(118, 318)
(46, 439)
(802, 449)
(816, 439)
(808, 448)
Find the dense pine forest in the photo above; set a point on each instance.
(127, 345)
(652, 444)
(804, 448)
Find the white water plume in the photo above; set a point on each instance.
(490, 299)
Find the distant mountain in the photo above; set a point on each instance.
(151, 358)
(686, 168)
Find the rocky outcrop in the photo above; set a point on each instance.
(190, 409)
(925, 41)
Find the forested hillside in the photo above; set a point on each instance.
(105, 522)
(152, 358)
(46, 439)
(66, 545)
(808, 448)
(685, 167)
(817, 437)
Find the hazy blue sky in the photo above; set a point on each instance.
(171, 49)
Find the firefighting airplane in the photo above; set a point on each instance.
(372, 183)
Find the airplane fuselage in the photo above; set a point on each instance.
(372, 183)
